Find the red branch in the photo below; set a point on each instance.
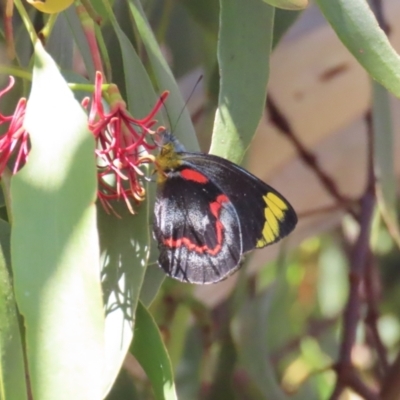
(371, 319)
(346, 374)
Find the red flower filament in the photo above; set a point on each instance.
(121, 146)
(15, 142)
(120, 141)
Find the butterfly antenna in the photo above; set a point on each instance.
(186, 103)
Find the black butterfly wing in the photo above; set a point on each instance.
(197, 229)
(265, 216)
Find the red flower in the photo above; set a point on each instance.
(15, 141)
(121, 146)
(120, 143)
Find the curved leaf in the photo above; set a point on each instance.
(125, 250)
(153, 279)
(54, 243)
(252, 346)
(77, 32)
(244, 48)
(174, 104)
(141, 96)
(356, 26)
(60, 43)
(384, 164)
(288, 4)
(125, 241)
(12, 369)
(282, 22)
(149, 350)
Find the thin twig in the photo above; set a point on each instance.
(323, 210)
(352, 310)
(390, 388)
(360, 388)
(309, 158)
(358, 261)
(372, 317)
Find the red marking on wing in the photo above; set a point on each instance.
(215, 208)
(192, 175)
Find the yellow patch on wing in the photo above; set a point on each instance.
(271, 221)
(274, 213)
(277, 201)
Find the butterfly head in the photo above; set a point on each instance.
(164, 138)
(168, 157)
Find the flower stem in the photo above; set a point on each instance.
(26, 20)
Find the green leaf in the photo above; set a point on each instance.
(288, 4)
(333, 285)
(221, 387)
(183, 127)
(149, 350)
(356, 26)
(54, 244)
(124, 387)
(141, 96)
(101, 9)
(386, 182)
(205, 13)
(77, 32)
(283, 21)
(12, 369)
(384, 145)
(190, 368)
(245, 39)
(124, 244)
(252, 345)
(153, 280)
(125, 241)
(60, 43)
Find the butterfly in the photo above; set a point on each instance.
(209, 212)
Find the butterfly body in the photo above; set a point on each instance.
(209, 212)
